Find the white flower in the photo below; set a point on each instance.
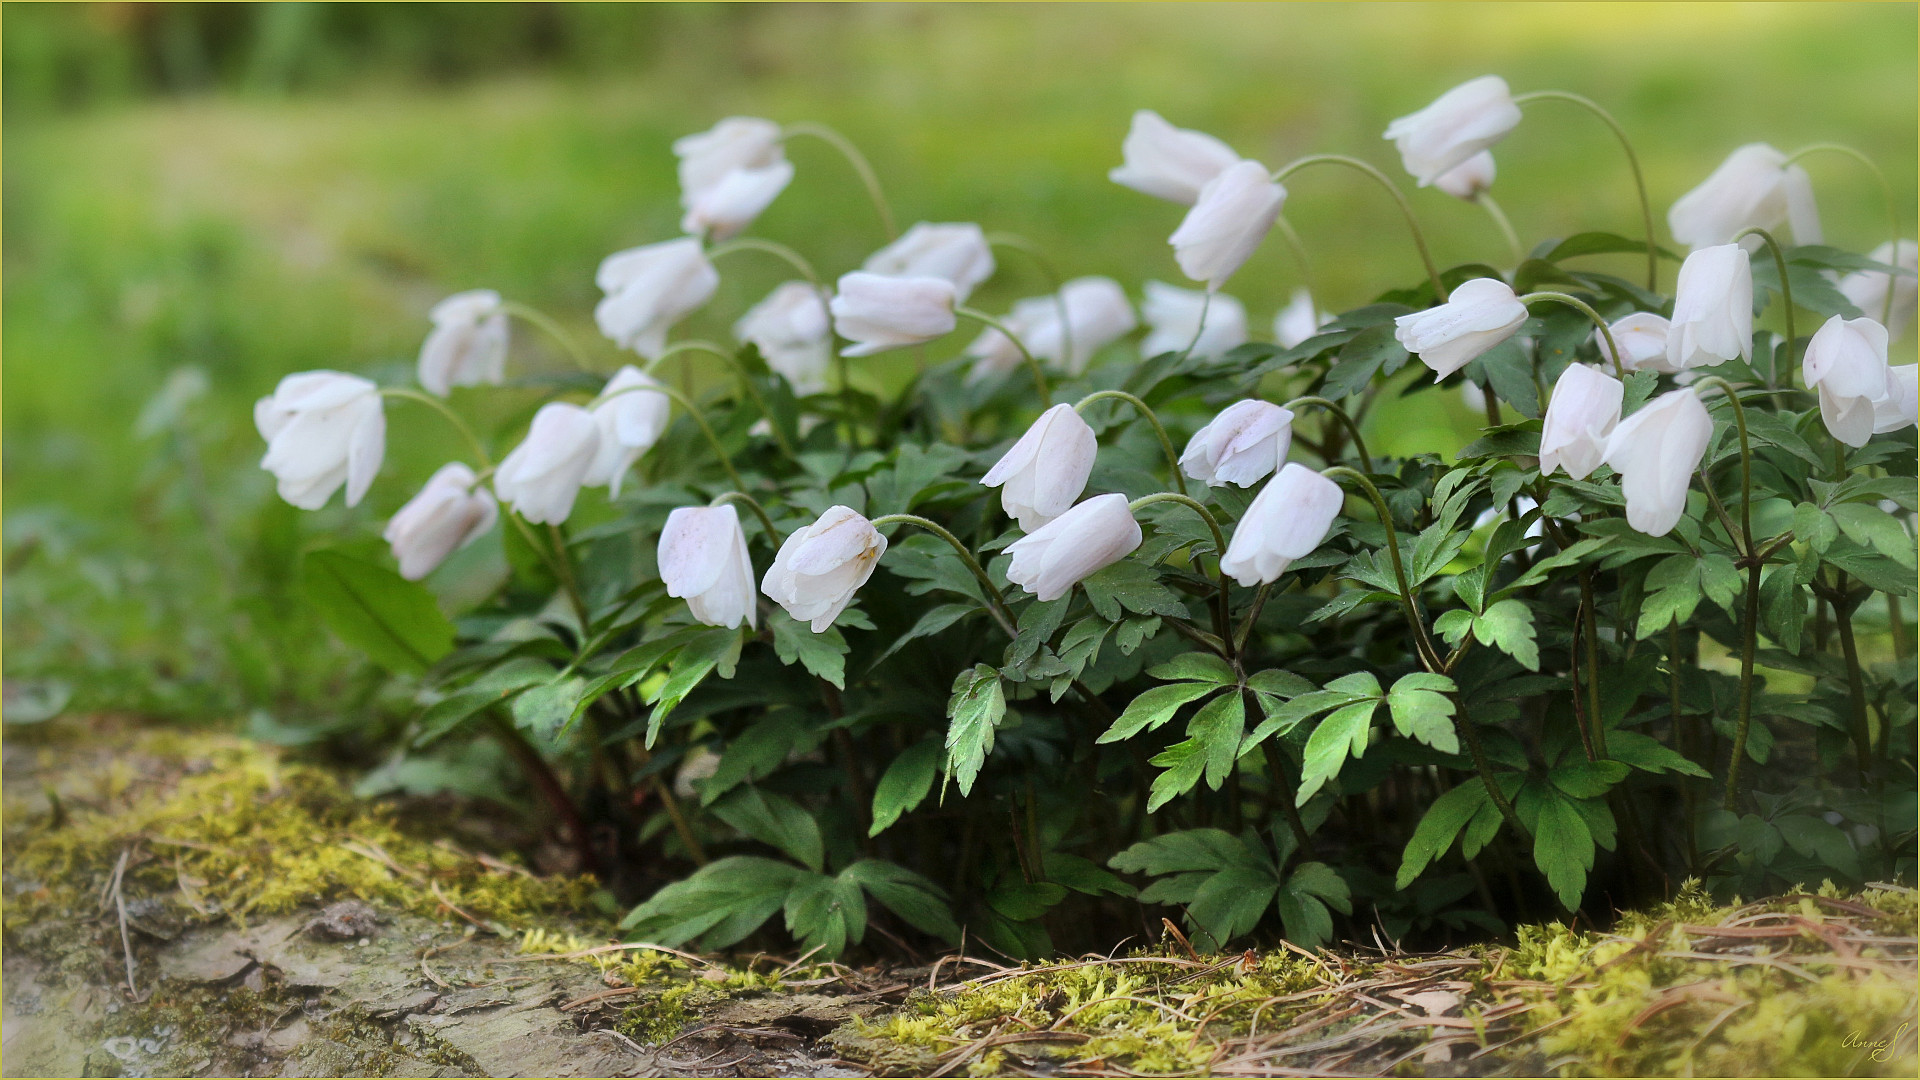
(1642, 337)
(731, 205)
(1583, 410)
(1173, 317)
(1847, 361)
(631, 419)
(542, 476)
(1655, 451)
(1477, 316)
(1469, 178)
(1047, 469)
(468, 345)
(1168, 162)
(323, 429)
(1098, 314)
(1901, 407)
(1287, 521)
(445, 516)
(703, 560)
(820, 566)
(649, 289)
(1299, 320)
(1248, 440)
(1232, 216)
(1053, 558)
(1459, 124)
(734, 144)
(877, 312)
(793, 331)
(1867, 289)
(1712, 309)
(956, 252)
(1754, 188)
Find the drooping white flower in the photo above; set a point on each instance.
(1287, 521)
(1098, 313)
(1901, 407)
(1754, 188)
(1299, 320)
(447, 515)
(738, 143)
(542, 476)
(468, 345)
(1173, 318)
(649, 289)
(956, 252)
(731, 205)
(1656, 451)
(1469, 178)
(1642, 337)
(1846, 361)
(822, 565)
(1712, 309)
(1477, 316)
(631, 418)
(323, 429)
(1459, 124)
(1245, 442)
(878, 312)
(1050, 560)
(793, 331)
(1045, 471)
(1233, 214)
(1168, 162)
(1582, 412)
(703, 560)
(1867, 289)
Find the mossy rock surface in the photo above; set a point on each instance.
(275, 925)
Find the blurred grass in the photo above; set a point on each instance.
(252, 233)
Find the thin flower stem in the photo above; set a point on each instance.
(1199, 327)
(1886, 194)
(1399, 197)
(1001, 612)
(441, 407)
(1039, 374)
(1223, 616)
(773, 534)
(1499, 216)
(1786, 289)
(855, 158)
(1592, 634)
(1633, 161)
(1353, 427)
(1146, 411)
(778, 250)
(1746, 459)
(563, 566)
(746, 380)
(1750, 616)
(1428, 657)
(534, 316)
(726, 459)
(1016, 242)
(1856, 689)
(1619, 367)
(1299, 249)
(1253, 616)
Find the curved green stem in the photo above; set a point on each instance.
(1786, 289)
(534, 316)
(746, 380)
(1422, 645)
(441, 407)
(1353, 427)
(1299, 249)
(1039, 374)
(726, 459)
(1145, 410)
(1499, 216)
(1016, 242)
(563, 567)
(999, 609)
(1633, 161)
(1886, 195)
(1749, 617)
(1619, 367)
(1199, 326)
(1399, 197)
(781, 251)
(854, 158)
(1746, 459)
(773, 534)
(1223, 615)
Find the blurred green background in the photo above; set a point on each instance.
(201, 198)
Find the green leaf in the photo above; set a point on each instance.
(1602, 243)
(1643, 751)
(1184, 762)
(1510, 373)
(826, 913)
(1130, 585)
(1195, 667)
(1082, 875)
(977, 704)
(776, 820)
(1814, 526)
(1023, 900)
(1783, 607)
(721, 903)
(1421, 710)
(1818, 839)
(545, 710)
(1441, 823)
(1177, 852)
(692, 663)
(754, 754)
(394, 621)
(1873, 527)
(1153, 708)
(1719, 580)
(915, 899)
(928, 625)
(1563, 850)
(1508, 625)
(905, 784)
(1347, 601)
(824, 654)
(1454, 626)
(1347, 689)
(1361, 359)
(1310, 890)
(1588, 779)
(1218, 727)
(1278, 683)
(1342, 733)
(1231, 902)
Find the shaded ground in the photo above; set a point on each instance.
(194, 906)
